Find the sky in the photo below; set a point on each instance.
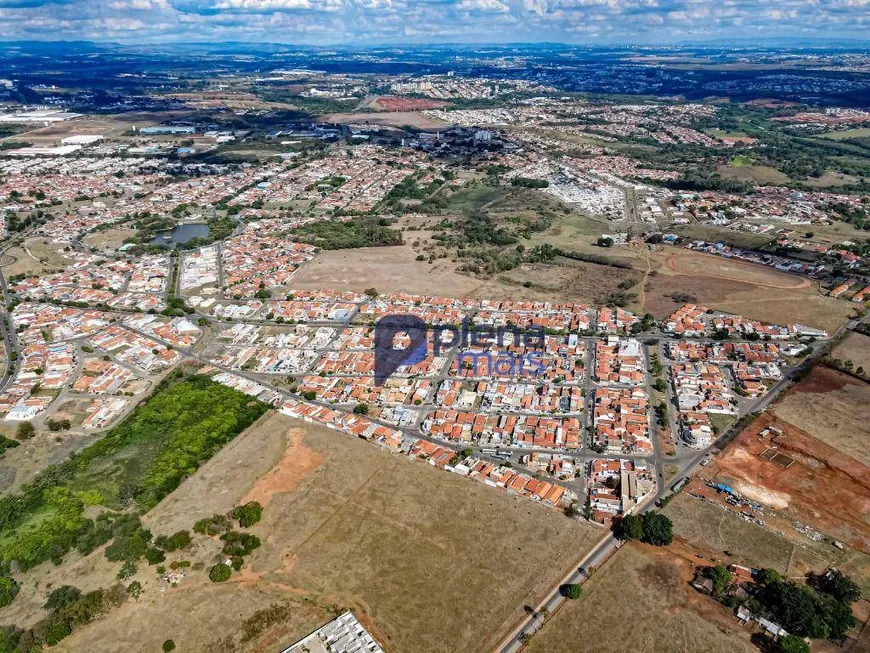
(361, 22)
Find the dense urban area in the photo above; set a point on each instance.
(650, 416)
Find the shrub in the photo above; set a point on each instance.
(219, 573)
(8, 590)
(573, 591)
(248, 514)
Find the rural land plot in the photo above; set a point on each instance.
(641, 600)
(409, 548)
(709, 528)
(832, 407)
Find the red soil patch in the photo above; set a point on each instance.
(294, 467)
(824, 379)
(824, 488)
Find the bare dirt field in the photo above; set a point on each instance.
(811, 482)
(391, 119)
(395, 269)
(855, 347)
(409, 548)
(832, 407)
(641, 600)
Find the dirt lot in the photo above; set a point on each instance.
(833, 407)
(855, 347)
(35, 256)
(641, 600)
(395, 269)
(407, 547)
(713, 531)
(391, 119)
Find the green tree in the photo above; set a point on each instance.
(721, 578)
(219, 573)
(767, 576)
(62, 597)
(168, 646)
(792, 644)
(657, 529)
(8, 590)
(631, 528)
(573, 591)
(838, 585)
(248, 514)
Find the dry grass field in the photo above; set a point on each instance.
(710, 529)
(761, 175)
(855, 347)
(738, 287)
(641, 600)
(108, 239)
(395, 269)
(429, 561)
(108, 126)
(34, 256)
(832, 407)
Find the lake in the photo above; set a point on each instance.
(181, 234)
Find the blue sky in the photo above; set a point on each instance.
(432, 21)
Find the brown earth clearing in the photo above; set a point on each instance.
(799, 479)
(641, 600)
(832, 407)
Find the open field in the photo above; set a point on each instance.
(847, 133)
(744, 239)
(108, 239)
(832, 407)
(571, 281)
(807, 481)
(761, 175)
(830, 179)
(389, 119)
(395, 269)
(695, 264)
(855, 347)
(737, 287)
(34, 256)
(641, 600)
(108, 126)
(714, 531)
(392, 103)
(409, 548)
